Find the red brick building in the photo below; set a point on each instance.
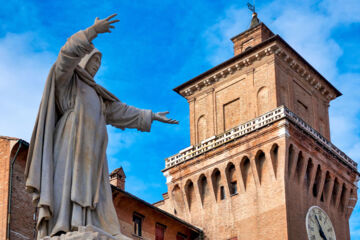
(17, 214)
(261, 164)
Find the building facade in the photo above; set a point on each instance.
(261, 164)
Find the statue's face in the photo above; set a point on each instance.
(93, 64)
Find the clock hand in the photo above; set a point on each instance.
(322, 234)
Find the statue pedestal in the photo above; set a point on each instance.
(87, 233)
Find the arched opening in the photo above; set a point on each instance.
(263, 100)
(245, 171)
(201, 128)
(335, 191)
(178, 199)
(343, 198)
(274, 157)
(231, 178)
(190, 193)
(290, 159)
(309, 169)
(203, 189)
(260, 164)
(317, 180)
(218, 188)
(299, 166)
(326, 190)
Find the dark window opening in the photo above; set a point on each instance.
(181, 236)
(137, 220)
(233, 188)
(222, 193)
(160, 231)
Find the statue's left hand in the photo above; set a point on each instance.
(161, 116)
(104, 25)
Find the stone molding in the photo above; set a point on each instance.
(234, 67)
(266, 119)
(309, 77)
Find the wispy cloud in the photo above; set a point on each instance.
(23, 73)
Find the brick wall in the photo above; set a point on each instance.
(4, 183)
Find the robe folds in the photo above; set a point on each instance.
(67, 170)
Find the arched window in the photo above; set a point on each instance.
(263, 100)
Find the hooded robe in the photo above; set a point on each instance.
(67, 170)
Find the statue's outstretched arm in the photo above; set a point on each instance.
(76, 47)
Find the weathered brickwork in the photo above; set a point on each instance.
(128, 205)
(259, 185)
(17, 216)
(4, 184)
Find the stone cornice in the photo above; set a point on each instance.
(251, 126)
(310, 77)
(305, 74)
(229, 70)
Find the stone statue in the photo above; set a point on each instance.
(67, 170)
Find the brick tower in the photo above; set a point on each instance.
(261, 164)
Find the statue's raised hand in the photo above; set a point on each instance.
(104, 25)
(161, 117)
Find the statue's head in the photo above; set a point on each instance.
(91, 62)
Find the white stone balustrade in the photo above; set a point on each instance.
(251, 126)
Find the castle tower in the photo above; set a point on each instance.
(261, 164)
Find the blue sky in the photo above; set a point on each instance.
(158, 45)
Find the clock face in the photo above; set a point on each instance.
(318, 225)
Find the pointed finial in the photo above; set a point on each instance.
(254, 21)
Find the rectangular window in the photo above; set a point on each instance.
(233, 188)
(222, 193)
(137, 221)
(160, 231)
(181, 236)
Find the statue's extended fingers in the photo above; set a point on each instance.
(163, 113)
(114, 21)
(111, 26)
(110, 17)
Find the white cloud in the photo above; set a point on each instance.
(23, 71)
